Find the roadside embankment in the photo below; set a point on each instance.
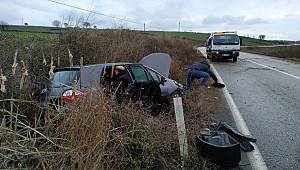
(291, 52)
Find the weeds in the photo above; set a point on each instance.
(95, 133)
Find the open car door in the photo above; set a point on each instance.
(160, 62)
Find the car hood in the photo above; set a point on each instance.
(160, 62)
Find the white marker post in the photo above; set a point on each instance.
(181, 129)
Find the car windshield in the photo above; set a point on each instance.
(226, 40)
(64, 78)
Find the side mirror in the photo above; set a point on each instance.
(241, 41)
(162, 80)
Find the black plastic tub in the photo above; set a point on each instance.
(220, 148)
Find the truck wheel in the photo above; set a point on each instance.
(213, 59)
(234, 59)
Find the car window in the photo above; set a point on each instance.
(64, 78)
(154, 75)
(139, 74)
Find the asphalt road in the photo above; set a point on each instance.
(267, 92)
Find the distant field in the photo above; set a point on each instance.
(25, 33)
(287, 52)
(201, 37)
(256, 42)
(32, 29)
(187, 35)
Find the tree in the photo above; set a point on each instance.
(95, 26)
(56, 23)
(262, 37)
(26, 24)
(86, 24)
(3, 25)
(66, 25)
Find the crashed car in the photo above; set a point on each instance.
(146, 80)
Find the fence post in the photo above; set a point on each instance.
(181, 129)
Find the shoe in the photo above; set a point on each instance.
(218, 85)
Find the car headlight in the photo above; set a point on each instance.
(71, 92)
(178, 84)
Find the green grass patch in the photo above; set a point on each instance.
(204, 36)
(256, 42)
(48, 33)
(31, 35)
(32, 28)
(184, 35)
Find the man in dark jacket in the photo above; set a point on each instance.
(200, 70)
(122, 77)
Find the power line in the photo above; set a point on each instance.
(102, 14)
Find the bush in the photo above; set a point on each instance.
(96, 134)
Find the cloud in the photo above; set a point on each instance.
(270, 17)
(255, 21)
(232, 20)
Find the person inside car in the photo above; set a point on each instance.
(121, 80)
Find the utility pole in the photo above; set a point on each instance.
(144, 27)
(179, 26)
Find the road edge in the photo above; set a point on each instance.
(255, 157)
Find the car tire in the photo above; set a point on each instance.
(175, 94)
(234, 59)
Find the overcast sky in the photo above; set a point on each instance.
(277, 19)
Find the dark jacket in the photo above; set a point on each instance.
(203, 66)
(123, 78)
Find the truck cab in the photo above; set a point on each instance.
(223, 45)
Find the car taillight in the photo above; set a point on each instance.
(71, 95)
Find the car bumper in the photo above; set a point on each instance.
(225, 54)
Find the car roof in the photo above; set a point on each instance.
(89, 66)
(91, 73)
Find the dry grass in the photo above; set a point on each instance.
(287, 52)
(98, 133)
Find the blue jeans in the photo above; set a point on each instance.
(193, 74)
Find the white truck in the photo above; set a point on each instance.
(223, 45)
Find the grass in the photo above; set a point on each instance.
(35, 29)
(286, 52)
(95, 134)
(202, 37)
(257, 42)
(184, 35)
(40, 36)
(194, 36)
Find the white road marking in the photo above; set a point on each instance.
(274, 69)
(255, 158)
